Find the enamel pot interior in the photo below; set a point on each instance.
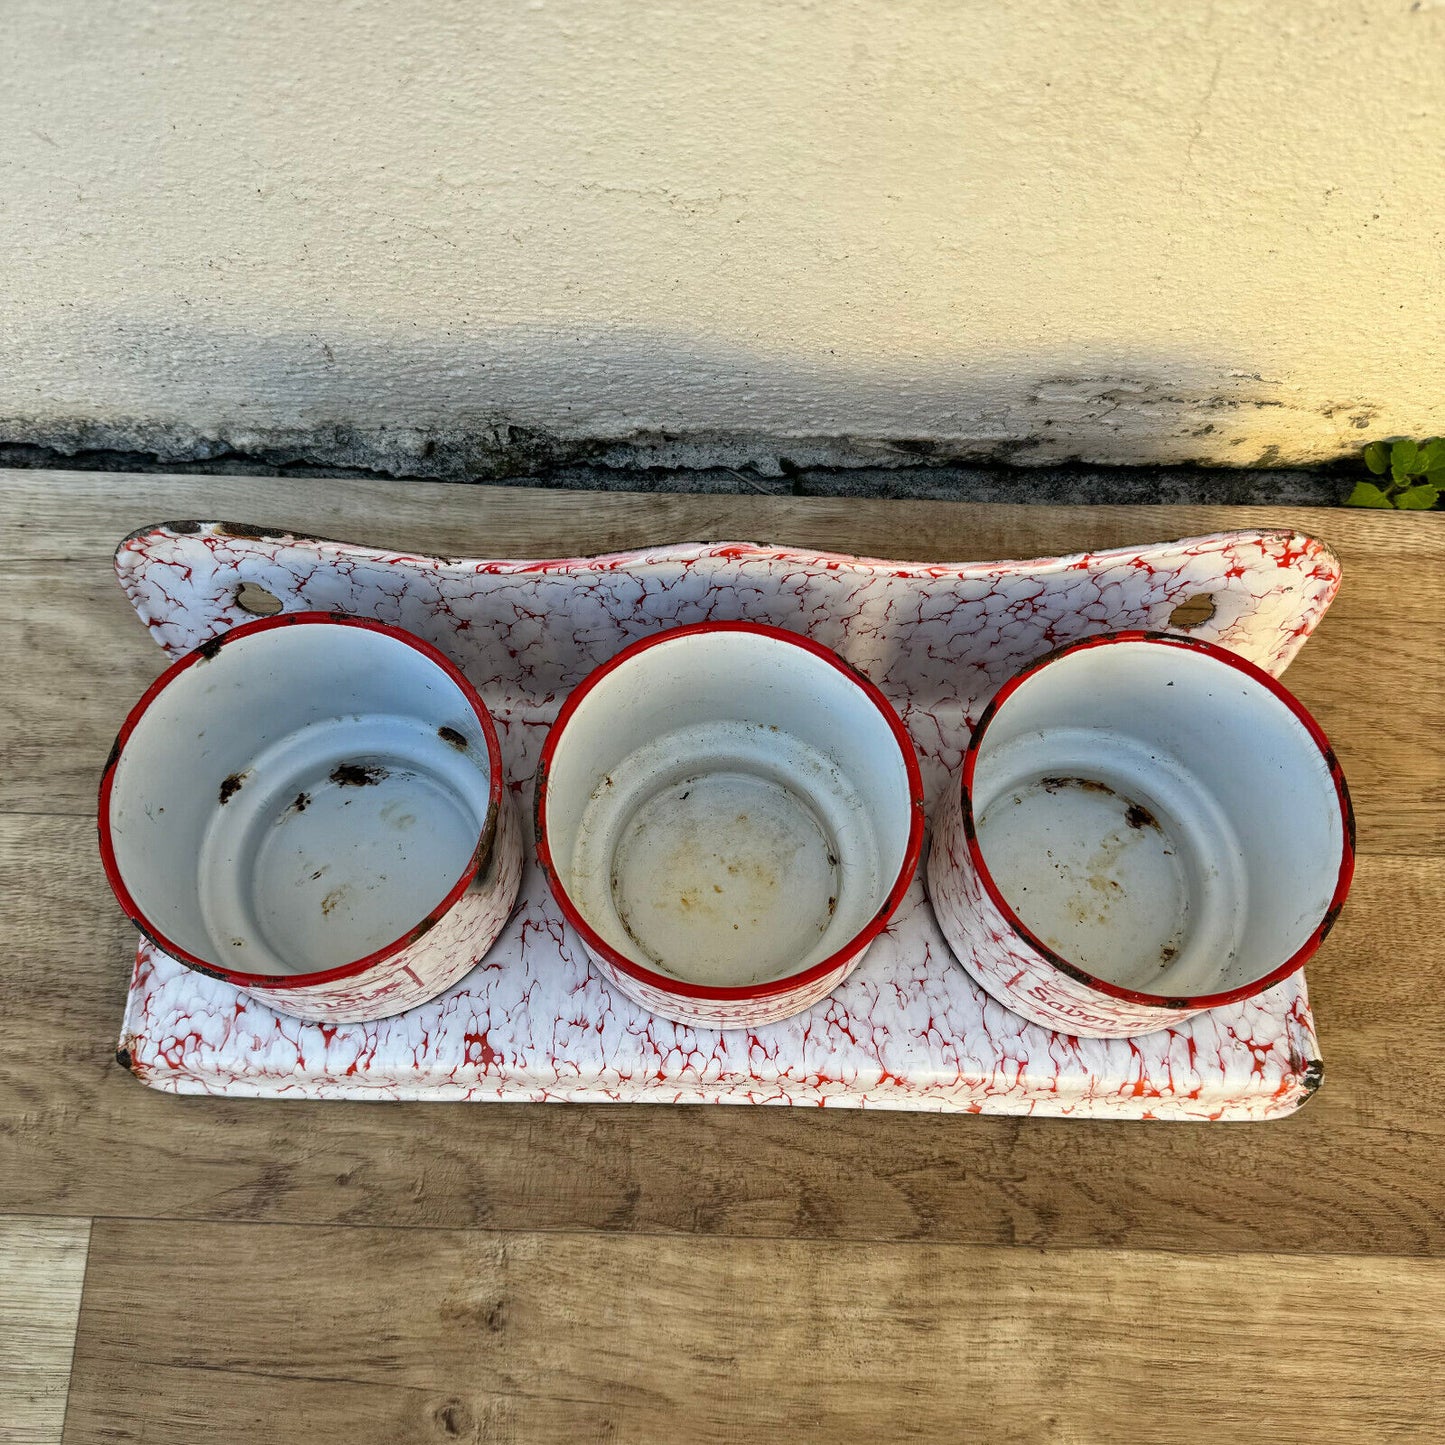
(728, 806)
(1162, 817)
(299, 798)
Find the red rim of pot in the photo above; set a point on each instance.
(664, 982)
(1114, 990)
(205, 652)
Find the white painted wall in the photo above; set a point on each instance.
(1161, 229)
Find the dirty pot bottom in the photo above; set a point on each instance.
(726, 854)
(1117, 859)
(336, 842)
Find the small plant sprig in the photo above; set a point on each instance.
(1416, 472)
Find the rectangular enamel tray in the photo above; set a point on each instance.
(909, 1029)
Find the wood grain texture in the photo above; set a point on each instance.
(1357, 1170)
(519, 1273)
(439, 1336)
(78, 515)
(42, 1266)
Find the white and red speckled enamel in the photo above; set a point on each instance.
(909, 1029)
(711, 1013)
(441, 957)
(1000, 960)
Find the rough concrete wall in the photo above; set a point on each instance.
(431, 234)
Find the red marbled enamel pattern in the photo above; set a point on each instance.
(908, 1029)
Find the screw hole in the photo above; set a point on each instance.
(257, 600)
(1192, 612)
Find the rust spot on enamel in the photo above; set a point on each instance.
(358, 775)
(1138, 816)
(539, 789)
(424, 927)
(482, 858)
(1087, 785)
(232, 785)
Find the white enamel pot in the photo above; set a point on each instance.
(1146, 826)
(728, 814)
(312, 807)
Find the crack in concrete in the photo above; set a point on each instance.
(917, 479)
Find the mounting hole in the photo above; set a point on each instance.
(1192, 612)
(257, 600)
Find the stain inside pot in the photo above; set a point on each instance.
(1091, 872)
(358, 775)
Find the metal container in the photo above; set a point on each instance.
(1146, 826)
(312, 807)
(727, 815)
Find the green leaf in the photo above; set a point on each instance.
(1367, 494)
(1377, 457)
(1403, 456)
(1436, 476)
(1418, 499)
(1431, 455)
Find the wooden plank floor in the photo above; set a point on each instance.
(42, 1267)
(272, 1271)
